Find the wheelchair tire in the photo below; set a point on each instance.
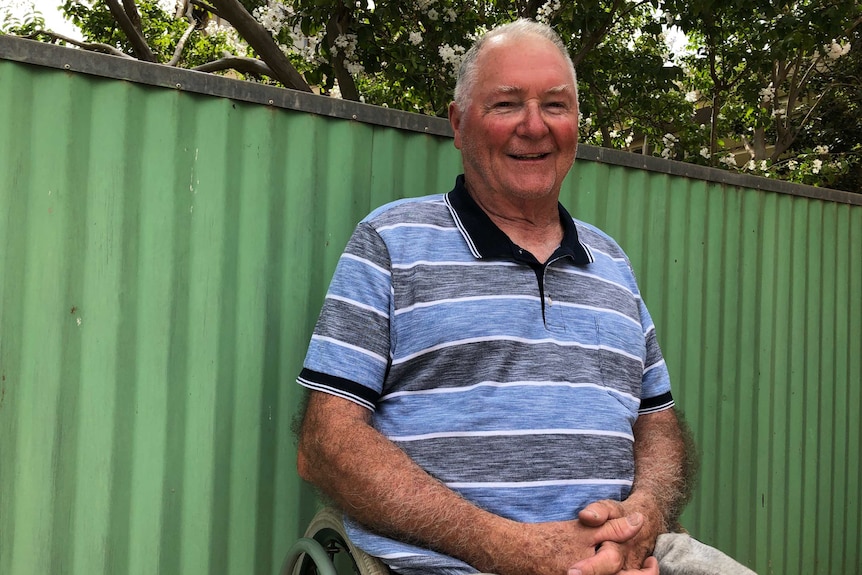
(327, 528)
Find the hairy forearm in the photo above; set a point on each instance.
(381, 487)
(662, 482)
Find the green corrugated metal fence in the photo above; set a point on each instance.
(165, 244)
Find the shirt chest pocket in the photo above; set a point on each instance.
(612, 341)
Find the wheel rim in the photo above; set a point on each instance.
(335, 546)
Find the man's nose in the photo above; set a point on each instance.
(533, 123)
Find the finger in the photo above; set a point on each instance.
(608, 560)
(650, 567)
(596, 513)
(619, 530)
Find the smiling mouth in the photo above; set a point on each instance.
(529, 156)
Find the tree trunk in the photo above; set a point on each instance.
(259, 39)
(713, 127)
(139, 43)
(759, 144)
(337, 24)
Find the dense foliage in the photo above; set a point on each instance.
(770, 87)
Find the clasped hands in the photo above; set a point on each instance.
(606, 539)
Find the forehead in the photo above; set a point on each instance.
(526, 63)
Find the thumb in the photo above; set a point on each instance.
(619, 530)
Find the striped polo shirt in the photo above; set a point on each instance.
(513, 382)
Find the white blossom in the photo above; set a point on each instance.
(614, 134)
(816, 167)
(449, 15)
(214, 26)
(751, 165)
(306, 46)
(692, 96)
(704, 152)
(452, 55)
(273, 16)
(588, 121)
(347, 44)
(432, 14)
(821, 149)
(415, 38)
(728, 160)
(235, 44)
(836, 50)
(354, 67)
(792, 165)
(546, 11)
(629, 139)
(763, 165)
(668, 140)
(767, 94)
(423, 5)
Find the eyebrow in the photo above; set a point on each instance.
(517, 89)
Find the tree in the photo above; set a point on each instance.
(838, 123)
(764, 69)
(403, 54)
(778, 79)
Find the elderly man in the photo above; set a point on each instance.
(487, 390)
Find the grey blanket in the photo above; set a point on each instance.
(680, 554)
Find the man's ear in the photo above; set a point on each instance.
(455, 122)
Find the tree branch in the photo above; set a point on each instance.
(337, 23)
(182, 43)
(91, 46)
(208, 7)
(238, 63)
(134, 17)
(810, 112)
(181, 8)
(597, 34)
(139, 43)
(262, 43)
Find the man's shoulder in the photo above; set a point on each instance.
(597, 239)
(420, 210)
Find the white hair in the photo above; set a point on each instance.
(518, 29)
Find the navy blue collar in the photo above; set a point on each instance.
(486, 240)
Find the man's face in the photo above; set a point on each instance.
(519, 133)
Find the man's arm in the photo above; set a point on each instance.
(381, 487)
(664, 470)
(665, 466)
(660, 488)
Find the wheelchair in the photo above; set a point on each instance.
(326, 550)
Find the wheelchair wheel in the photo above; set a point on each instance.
(327, 528)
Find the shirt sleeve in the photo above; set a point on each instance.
(349, 352)
(655, 387)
